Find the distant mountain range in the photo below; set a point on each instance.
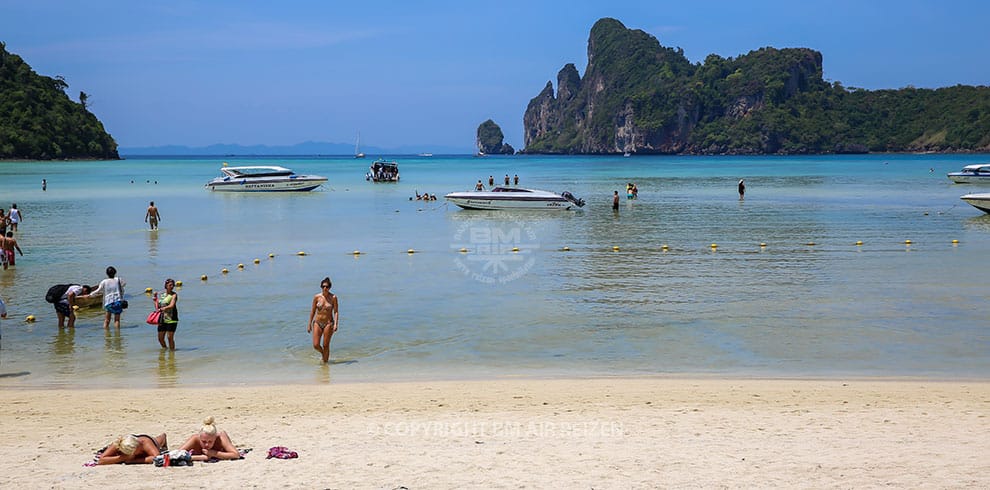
(305, 148)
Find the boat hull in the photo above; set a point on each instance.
(467, 203)
(978, 201)
(251, 185)
(514, 198)
(961, 178)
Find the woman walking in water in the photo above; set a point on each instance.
(323, 319)
(168, 304)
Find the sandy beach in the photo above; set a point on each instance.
(534, 433)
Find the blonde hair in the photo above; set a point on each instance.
(127, 444)
(208, 427)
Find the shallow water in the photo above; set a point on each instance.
(787, 309)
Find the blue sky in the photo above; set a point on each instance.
(425, 74)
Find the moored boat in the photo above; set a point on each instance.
(382, 170)
(979, 201)
(263, 179)
(514, 198)
(971, 174)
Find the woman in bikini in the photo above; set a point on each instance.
(210, 443)
(134, 449)
(323, 319)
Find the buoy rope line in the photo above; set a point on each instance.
(661, 249)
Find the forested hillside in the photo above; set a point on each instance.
(639, 96)
(38, 121)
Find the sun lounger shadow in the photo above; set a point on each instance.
(14, 375)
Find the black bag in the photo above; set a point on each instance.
(55, 293)
(123, 302)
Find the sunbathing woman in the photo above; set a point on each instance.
(323, 319)
(210, 443)
(134, 449)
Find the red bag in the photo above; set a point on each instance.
(155, 317)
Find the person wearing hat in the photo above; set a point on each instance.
(742, 189)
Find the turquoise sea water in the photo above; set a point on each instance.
(787, 309)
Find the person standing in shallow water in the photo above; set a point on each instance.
(168, 303)
(152, 216)
(112, 289)
(323, 318)
(742, 189)
(615, 201)
(15, 217)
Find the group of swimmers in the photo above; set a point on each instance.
(208, 444)
(632, 192)
(424, 197)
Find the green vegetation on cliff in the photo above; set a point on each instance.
(490, 139)
(639, 96)
(38, 121)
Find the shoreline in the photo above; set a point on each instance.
(525, 378)
(600, 432)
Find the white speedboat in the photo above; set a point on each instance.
(979, 201)
(514, 198)
(970, 174)
(383, 171)
(263, 179)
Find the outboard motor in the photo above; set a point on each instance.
(570, 197)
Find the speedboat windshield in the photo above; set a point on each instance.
(256, 171)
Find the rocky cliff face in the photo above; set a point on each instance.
(490, 140)
(640, 97)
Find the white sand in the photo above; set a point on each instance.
(598, 433)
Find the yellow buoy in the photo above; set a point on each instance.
(178, 284)
(811, 244)
(762, 245)
(203, 277)
(664, 247)
(271, 256)
(224, 271)
(410, 251)
(29, 319)
(356, 252)
(257, 261)
(515, 249)
(714, 245)
(300, 253)
(463, 250)
(240, 266)
(147, 290)
(859, 242)
(566, 249)
(615, 248)
(955, 241)
(907, 242)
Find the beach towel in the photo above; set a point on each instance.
(281, 452)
